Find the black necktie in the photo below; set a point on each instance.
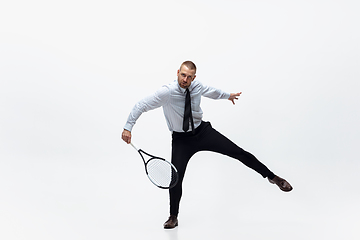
(188, 113)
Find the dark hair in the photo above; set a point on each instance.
(189, 64)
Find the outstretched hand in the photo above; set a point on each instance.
(234, 96)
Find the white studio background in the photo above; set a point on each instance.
(70, 72)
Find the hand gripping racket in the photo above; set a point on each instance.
(161, 173)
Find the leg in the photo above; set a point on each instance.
(216, 142)
(182, 151)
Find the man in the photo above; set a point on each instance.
(181, 105)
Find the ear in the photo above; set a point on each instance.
(178, 71)
(194, 77)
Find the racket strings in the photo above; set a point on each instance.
(161, 173)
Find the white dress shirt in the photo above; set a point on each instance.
(172, 98)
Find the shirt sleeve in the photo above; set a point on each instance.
(214, 93)
(156, 100)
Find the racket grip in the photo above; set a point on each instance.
(134, 146)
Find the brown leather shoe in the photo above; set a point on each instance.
(171, 222)
(282, 183)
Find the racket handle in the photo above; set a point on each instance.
(134, 146)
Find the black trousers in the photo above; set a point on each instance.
(206, 138)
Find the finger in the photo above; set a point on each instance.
(125, 138)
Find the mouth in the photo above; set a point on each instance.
(183, 84)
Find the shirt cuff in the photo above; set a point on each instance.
(128, 127)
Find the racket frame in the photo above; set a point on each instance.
(141, 152)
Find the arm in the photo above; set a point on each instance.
(159, 98)
(215, 93)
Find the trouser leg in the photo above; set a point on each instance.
(182, 151)
(216, 142)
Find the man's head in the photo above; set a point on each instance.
(186, 74)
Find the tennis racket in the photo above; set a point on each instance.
(161, 173)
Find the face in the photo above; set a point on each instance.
(185, 76)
